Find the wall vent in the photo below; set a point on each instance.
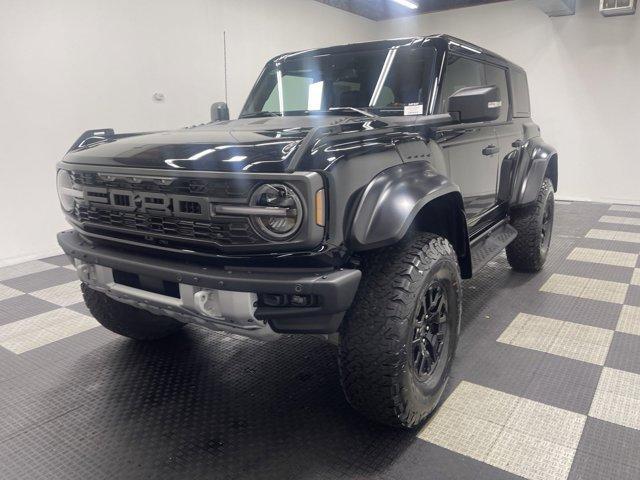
(611, 8)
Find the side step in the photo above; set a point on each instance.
(491, 244)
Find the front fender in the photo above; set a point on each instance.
(542, 158)
(391, 202)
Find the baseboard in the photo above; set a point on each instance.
(618, 201)
(4, 262)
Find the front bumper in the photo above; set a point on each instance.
(335, 289)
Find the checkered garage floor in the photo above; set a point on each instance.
(546, 384)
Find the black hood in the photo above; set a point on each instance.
(250, 145)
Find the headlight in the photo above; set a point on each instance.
(66, 193)
(286, 216)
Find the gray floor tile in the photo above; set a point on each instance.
(60, 260)
(12, 366)
(564, 383)
(505, 368)
(24, 306)
(624, 353)
(571, 309)
(633, 296)
(587, 466)
(414, 463)
(614, 442)
(41, 280)
(596, 270)
(80, 308)
(608, 245)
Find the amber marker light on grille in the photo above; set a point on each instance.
(320, 207)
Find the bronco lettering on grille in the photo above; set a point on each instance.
(185, 206)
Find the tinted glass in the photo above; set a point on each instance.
(384, 81)
(498, 76)
(463, 72)
(521, 107)
(460, 73)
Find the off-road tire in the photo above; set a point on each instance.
(375, 349)
(528, 252)
(126, 320)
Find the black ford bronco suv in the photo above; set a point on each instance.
(359, 184)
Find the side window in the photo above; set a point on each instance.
(498, 76)
(460, 73)
(521, 107)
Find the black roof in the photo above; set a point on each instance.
(442, 39)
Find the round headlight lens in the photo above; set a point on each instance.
(65, 183)
(287, 213)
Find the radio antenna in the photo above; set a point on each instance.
(224, 43)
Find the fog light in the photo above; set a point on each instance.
(274, 300)
(208, 303)
(86, 272)
(301, 300)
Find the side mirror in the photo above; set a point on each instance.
(219, 111)
(475, 104)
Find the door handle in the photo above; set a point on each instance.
(490, 150)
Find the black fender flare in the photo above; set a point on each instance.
(540, 156)
(393, 199)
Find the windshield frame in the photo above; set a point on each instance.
(429, 83)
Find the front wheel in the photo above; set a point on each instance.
(127, 320)
(398, 340)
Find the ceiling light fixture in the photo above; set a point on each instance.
(407, 3)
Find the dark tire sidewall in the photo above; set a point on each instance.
(549, 199)
(425, 395)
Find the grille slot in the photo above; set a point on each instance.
(122, 200)
(216, 188)
(190, 207)
(228, 231)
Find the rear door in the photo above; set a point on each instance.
(509, 132)
(471, 150)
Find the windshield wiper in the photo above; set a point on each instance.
(261, 114)
(351, 109)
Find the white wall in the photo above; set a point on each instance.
(584, 73)
(76, 64)
(72, 65)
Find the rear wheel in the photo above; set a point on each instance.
(398, 339)
(126, 320)
(534, 223)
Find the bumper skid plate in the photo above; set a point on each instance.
(220, 298)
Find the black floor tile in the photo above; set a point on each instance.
(41, 280)
(564, 383)
(626, 247)
(599, 271)
(633, 296)
(60, 260)
(587, 466)
(21, 307)
(614, 442)
(624, 353)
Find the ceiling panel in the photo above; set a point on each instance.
(386, 9)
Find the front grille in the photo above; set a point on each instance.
(215, 188)
(182, 219)
(230, 231)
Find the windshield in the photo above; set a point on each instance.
(394, 81)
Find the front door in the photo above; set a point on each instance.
(472, 151)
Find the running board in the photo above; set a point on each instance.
(491, 244)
